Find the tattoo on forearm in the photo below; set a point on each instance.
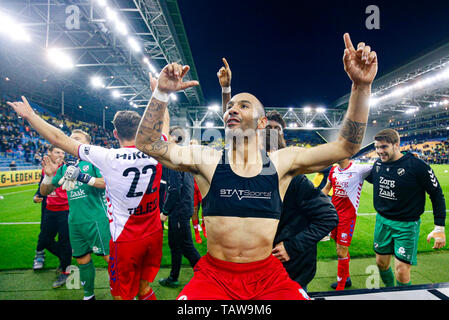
(160, 147)
(353, 131)
(150, 128)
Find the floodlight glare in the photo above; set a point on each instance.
(134, 44)
(102, 3)
(115, 94)
(111, 14)
(121, 28)
(320, 110)
(173, 97)
(12, 29)
(214, 108)
(97, 82)
(59, 59)
(209, 124)
(152, 68)
(307, 109)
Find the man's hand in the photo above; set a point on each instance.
(49, 166)
(224, 75)
(73, 174)
(37, 199)
(22, 108)
(280, 252)
(439, 236)
(163, 217)
(170, 79)
(153, 83)
(361, 64)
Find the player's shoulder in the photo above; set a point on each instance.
(414, 160)
(362, 167)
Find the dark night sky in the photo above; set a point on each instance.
(290, 55)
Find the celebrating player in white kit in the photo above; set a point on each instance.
(346, 179)
(132, 192)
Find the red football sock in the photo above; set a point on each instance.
(203, 225)
(195, 224)
(343, 272)
(149, 296)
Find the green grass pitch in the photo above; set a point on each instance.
(19, 229)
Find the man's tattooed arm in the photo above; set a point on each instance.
(353, 131)
(148, 137)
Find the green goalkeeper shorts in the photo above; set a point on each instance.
(90, 237)
(397, 237)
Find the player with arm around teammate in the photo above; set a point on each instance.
(132, 182)
(243, 187)
(88, 222)
(307, 214)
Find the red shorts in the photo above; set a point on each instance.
(197, 196)
(132, 261)
(342, 234)
(215, 279)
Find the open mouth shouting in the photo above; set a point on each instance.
(232, 121)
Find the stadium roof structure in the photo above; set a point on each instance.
(105, 48)
(313, 117)
(420, 87)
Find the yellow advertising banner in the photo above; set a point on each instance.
(11, 178)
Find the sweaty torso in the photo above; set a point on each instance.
(241, 208)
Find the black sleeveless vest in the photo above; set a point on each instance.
(235, 196)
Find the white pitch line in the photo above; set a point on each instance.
(7, 194)
(17, 223)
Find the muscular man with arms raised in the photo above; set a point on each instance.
(243, 187)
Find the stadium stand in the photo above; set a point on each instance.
(20, 144)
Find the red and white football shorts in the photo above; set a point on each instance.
(216, 279)
(132, 261)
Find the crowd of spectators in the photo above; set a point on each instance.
(433, 152)
(19, 140)
(423, 128)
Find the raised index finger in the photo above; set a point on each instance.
(225, 63)
(348, 42)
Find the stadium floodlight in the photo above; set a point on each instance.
(152, 68)
(111, 14)
(102, 3)
(97, 82)
(290, 109)
(309, 125)
(134, 44)
(60, 59)
(115, 94)
(13, 29)
(173, 97)
(209, 124)
(121, 27)
(214, 108)
(320, 110)
(307, 109)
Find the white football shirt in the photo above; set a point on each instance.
(347, 186)
(132, 190)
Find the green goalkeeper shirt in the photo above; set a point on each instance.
(86, 203)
